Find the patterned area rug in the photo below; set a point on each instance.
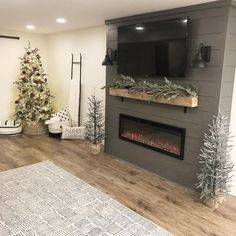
(45, 200)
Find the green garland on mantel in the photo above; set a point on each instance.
(167, 90)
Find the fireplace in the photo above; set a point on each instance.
(163, 138)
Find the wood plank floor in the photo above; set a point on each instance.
(171, 206)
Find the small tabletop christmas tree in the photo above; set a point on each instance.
(34, 102)
(216, 165)
(95, 123)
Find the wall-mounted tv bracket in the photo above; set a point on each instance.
(9, 37)
(80, 76)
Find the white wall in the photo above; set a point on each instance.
(55, 50)
(10, 51)
(91, 43)
(233, 130)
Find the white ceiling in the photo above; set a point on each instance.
(16, 14)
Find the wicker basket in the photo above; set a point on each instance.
(35, 129)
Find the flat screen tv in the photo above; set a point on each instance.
(153, 49)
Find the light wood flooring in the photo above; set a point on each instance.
(171, 206)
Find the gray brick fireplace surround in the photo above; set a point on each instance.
(213, 24)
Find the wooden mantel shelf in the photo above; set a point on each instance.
(178, 101)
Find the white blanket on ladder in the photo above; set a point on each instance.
(73, 103)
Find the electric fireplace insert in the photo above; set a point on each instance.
(163, 138)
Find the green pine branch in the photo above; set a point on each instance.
(167, 90)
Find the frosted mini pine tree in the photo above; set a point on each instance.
(95, 123)
(34, 102)
(216, 165)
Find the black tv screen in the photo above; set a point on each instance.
(153, 49)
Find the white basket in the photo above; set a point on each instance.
(10, 127)
(55, 129)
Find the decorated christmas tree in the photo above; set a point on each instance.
(216, 165)
(95, 123)
(34, 102)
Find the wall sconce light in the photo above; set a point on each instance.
(202, 56)
(108, 60)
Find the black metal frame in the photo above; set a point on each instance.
(80, 79)
(181, 131)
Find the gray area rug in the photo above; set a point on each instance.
(45, 200)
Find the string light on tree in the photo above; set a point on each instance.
(34, 101)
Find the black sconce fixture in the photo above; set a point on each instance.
(202, 56)
(108, 60)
